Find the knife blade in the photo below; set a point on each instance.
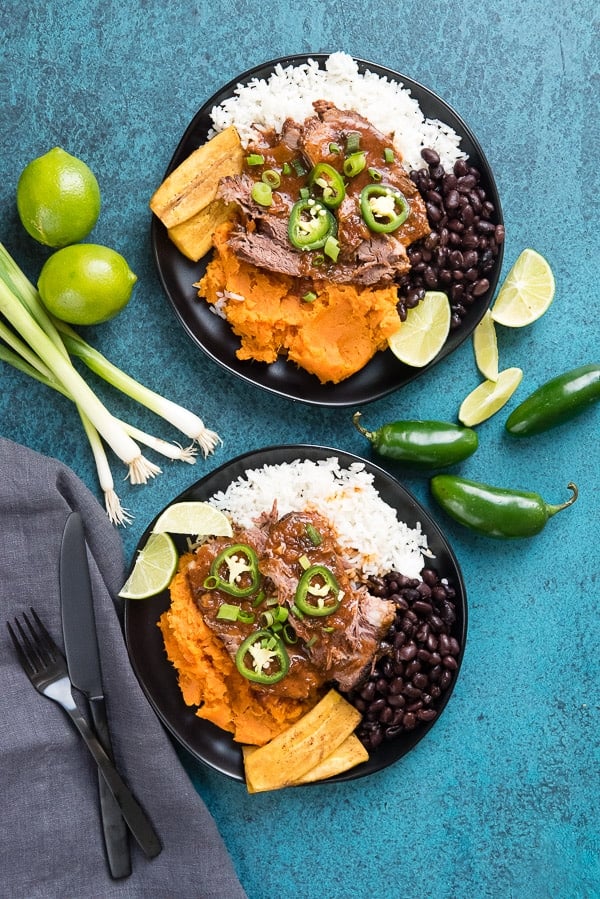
(83, 660)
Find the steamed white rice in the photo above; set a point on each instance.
(369, 531)
(290, 91)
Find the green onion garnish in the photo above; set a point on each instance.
(262, 194)
(255, 159)
(271, 177)
(388, 154)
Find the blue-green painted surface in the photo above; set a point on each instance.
(501, 799)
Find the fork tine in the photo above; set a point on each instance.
(45, 639)
(22, 655)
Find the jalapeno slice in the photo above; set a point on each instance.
(383, 207)
(310, 225)
(234, 571)
(326, 183)
(262, 658)
(318, 592)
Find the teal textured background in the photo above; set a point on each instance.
(501, 799)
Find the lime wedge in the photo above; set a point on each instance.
(526, 292)
(424, 333)
(489, 397)
(154, 568)
(485, 347)
(194, 518)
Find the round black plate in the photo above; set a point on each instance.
(384, 373)
(209, 744)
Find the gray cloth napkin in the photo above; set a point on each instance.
(50, 833)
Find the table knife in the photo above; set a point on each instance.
(83, 660)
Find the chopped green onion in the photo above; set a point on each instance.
(245, 617)
(298, 167)
(354, 164)
(255, 159)
(334, 148)
(313, 535)
(304, 193)
(328, 630)
(332, 248)
(375, 175)
(312, 641)
(309, 297)
(271, 177)
(228, 612)
(259, 599)
(304, 562)
(318, 259)
(286, 168)
(262, 194)
(352, 142)
(289, 634)
(296, 611)
(388, 155)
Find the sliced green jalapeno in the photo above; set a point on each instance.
(495, 511)
(318, 592)
(556, 402)
(262, 658)
(234, 571)
(423, 445)
(310, 225)
(383, 207)
(326, 183)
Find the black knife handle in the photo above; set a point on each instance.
(135, 816)
(115, 831)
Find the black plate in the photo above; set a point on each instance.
(384, 373)
(209, 744)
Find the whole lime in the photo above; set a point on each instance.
(85, 283)
(58, 198)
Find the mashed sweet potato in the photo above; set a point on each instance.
(209, 679)
(332, 337)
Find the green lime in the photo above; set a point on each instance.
(489, 397)
(526, 293)
(424, 333)
(194, 518)
(85, 284)
(155, 565)
(58, 198)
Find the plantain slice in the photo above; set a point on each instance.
(303, 746)
(193, 237)
(192, 186)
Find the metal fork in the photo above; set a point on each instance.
(46, 667)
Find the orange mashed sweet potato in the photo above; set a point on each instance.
(332, 337)
(208, 677)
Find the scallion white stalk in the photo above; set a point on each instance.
(185, 421)
(23, 362)
(140, 469)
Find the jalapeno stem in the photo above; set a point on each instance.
(370, 435)
(552, 509)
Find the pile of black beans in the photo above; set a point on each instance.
(459, 253)
(418, 661)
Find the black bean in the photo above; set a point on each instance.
(430, 156)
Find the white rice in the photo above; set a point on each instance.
(368, 529)
(290, 91)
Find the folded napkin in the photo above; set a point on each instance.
(50, 837)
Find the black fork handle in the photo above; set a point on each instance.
(134, 815)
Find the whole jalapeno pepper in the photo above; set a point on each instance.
(425, 445)
(495, 511)
(556, 402)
